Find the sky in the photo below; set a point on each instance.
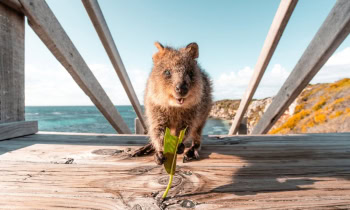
(230, 35)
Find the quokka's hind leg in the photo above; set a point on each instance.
(193, 152)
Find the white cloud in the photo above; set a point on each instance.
(337, 67)
(233, 85)
(54, 86)
(340, 58)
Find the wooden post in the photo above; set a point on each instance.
(278, 25)
(12, 75)
(243, 128)
(138, 127)
(94, 11)
(332, 33)
(50, 31)
(11, 65)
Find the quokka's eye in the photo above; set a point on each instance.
(190, 74)
(167, 73)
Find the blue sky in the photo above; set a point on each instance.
(230, 35)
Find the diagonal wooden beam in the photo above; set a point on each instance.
(50, 31)
(278, 25)
(332, 33)
(94, 11)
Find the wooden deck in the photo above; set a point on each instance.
(55, 171)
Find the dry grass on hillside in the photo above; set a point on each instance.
(321, 108)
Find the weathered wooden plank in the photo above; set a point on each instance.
(94, 11)
(278, 25)
(263, 151)
(117, 139)
(11, 65)
(331, 34)
(269, 172)
(49, 30)
(16, 129)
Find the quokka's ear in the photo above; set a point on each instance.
(159, 46)
(160, 52)
(192, 49)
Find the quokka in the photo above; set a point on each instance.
(178, 95)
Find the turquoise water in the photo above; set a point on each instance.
(87, 119)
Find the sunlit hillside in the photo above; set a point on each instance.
(321, 108)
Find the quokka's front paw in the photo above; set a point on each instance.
(192, 153)
(159, 158)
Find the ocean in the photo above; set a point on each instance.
(87, 119)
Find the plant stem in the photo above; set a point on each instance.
(168, 187)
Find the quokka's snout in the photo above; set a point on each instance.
(181, 89)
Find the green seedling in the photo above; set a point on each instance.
(170, 152)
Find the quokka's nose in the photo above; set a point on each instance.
(181, 88)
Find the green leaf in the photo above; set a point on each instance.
(170, 149)
(170, 152)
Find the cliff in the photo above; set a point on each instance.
(320, 108)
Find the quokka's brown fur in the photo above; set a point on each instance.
(178, 95)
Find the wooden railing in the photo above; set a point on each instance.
(331, 34)
(42, 20)
(47, 27)
(279, 23)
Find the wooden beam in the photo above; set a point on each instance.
(50, 31)
(94, 11)
(243, 128)
(17, 129)
(14, 4)
(278, 25)
(11, 65)
(332, 33)
(138, 127)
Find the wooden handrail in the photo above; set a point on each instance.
(331, 34)
(278, 25)
(46, 26)
(95, 13)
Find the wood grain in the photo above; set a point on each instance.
(11, 65)
(331, 34)
(52, 171)
(94, 11)
(278, 25)
(16, 129)
(50, 31)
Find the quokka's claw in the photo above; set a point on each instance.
(196, 154)
(145, 150)
(192, 154)
(159, 158)
(181, 148)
